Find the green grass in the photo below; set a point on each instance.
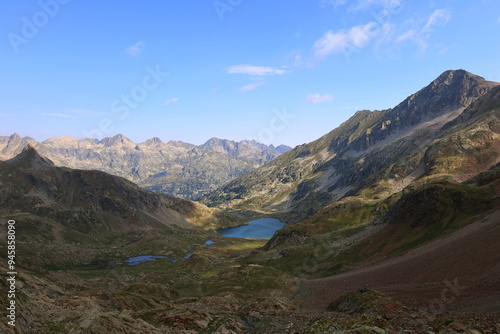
(246, 245)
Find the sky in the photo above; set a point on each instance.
(273, 71)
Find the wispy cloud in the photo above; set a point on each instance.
(379, 31)
(498, 20)
(318, 98)
(421, 35)
(135, 50)
(339, 42)
(171, 101)
(409, 34)
(250, 87)
(255, 70)
(61, 115)
(438, 17)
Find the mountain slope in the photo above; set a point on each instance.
(373, 153)
(173, 168)
(80, 211)
(407, 190)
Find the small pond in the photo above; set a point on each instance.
(133, 261)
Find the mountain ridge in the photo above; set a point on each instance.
(29, 158)
(153, 164)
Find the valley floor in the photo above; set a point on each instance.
(451, 285)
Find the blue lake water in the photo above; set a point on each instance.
(263, 228)
(133, 261)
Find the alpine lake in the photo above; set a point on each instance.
(263, 228)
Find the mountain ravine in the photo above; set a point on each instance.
(175, 168)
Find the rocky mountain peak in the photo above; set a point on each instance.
(453, 89)
(459, 77)
(30, 158)
(14, 136)
(216, 141)
(13, 144)
(218, 145)
(153, 141)
(283, 148)
(116, 140)
(448, 93)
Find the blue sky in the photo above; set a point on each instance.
(278, 72)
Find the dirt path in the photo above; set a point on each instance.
(462, 269)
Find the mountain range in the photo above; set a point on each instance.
(392, 228)
(175, 168)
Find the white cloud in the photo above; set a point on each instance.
(317, 98)
(250, 87)
(438, 17)
(339, 42)
(171, 101)
(498, 20)
(135, 50)
(254, 70)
